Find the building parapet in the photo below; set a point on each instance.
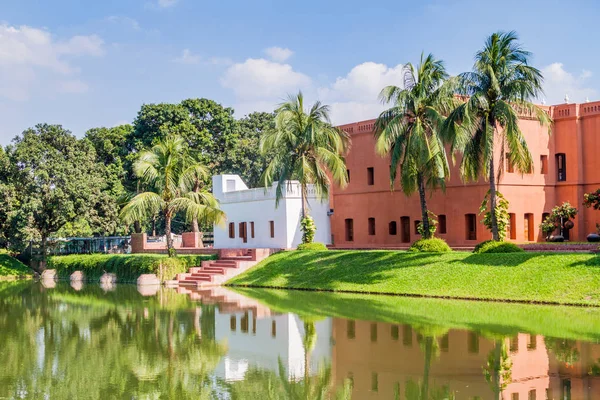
(293, 191)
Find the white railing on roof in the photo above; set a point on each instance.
(292, 191)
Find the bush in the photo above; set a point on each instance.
(127, 267)
(312, 246)
(433, 245)
(492, 246)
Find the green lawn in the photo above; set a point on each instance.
(11, 268)
(559, 278)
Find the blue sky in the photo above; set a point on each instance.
(85, 64)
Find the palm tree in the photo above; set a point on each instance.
(305, 147)
(171, 174)
(409, 131)
(499, 88)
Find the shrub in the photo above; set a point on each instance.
(308, 228)
(127, 267)
(492, 246)
(433, 245)
(312, 246)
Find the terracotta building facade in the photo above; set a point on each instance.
(566, 157)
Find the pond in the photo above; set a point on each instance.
(93, 342)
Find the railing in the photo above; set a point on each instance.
(291, 190)
(80, 245)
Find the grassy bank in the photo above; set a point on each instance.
(127, 267)
(11, 268)
(528, 277)
(488, 319)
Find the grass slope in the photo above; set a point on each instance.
(529, 277)
(489, 319)
(11, 268)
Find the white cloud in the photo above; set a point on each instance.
(558, 82)
(187, 57)
(167, 3)
(27, 52)
(278, 54)
(354, 97)
(220, 61)
(263, 79)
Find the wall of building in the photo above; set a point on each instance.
(575, 132)
(257, 207)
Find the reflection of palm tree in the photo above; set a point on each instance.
(498, 371)
(308, 342)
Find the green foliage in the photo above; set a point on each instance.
(314, 246)
(11, 267)
(433, 245)
(592, 200)
(492, 246)
(127, 267)
(306, 148)
(501, 211)
(501, 85)
(560, 214)
(433, 222)
(308, 228)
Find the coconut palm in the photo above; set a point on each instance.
(306, 148)
(499, 88)
(409, 130)
(170, 172)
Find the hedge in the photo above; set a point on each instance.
(491, 246)
(433, 245)
(127, 267)
(316, 246)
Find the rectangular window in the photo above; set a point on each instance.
(232, 323)
(349, 230)
(405, 229)
(407, 338)
(348, 175)
(528, 232)
(395, 332)
(561, 167)
(471, 226)
(509, 165)
(231, 230)
(373, 332)
(244, 323)
(372, 226)
(374, 382)
(272, 228)
(514, 396)
(351, 330)
(273, 329)
(514, 344)
(252, 230)
(445, 343)
(370, 176)
(442, 224)
(532, 342)
(417, 222)
(243, 233)
(544, 165)
(473, 343)
(532, 395)
(512, 226)
(393, 227)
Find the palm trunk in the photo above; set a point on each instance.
(137, 227)
(154, 225)
(195, 227)
(304, 196)
(427, 367)
(493, 201)
(170, 248)
(497, 366)
(424, 211)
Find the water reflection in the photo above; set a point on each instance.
(216, 344)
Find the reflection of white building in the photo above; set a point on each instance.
(254, 222)
(261, 342)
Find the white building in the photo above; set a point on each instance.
(253, 221)
(261, 342)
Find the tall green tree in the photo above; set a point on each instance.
(249, 162)
(501, 85)
(56, 178)
(169, 171)
(409, 132)
(307, 148)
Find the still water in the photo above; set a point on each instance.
(90, 342)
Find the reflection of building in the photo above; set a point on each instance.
(253, 221)
(382, 359)
(260, 342)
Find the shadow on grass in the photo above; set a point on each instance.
(499, 259)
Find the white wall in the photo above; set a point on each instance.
(241, 204)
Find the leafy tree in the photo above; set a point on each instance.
(592, 200)
(56, 179)
(501, 210)
(557, 218)
(249, 162)
(500, 86)
(409, 131)
(306, 148)
(169, 171)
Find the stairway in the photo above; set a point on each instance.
(231, 263)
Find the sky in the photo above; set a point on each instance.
(85, 64)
